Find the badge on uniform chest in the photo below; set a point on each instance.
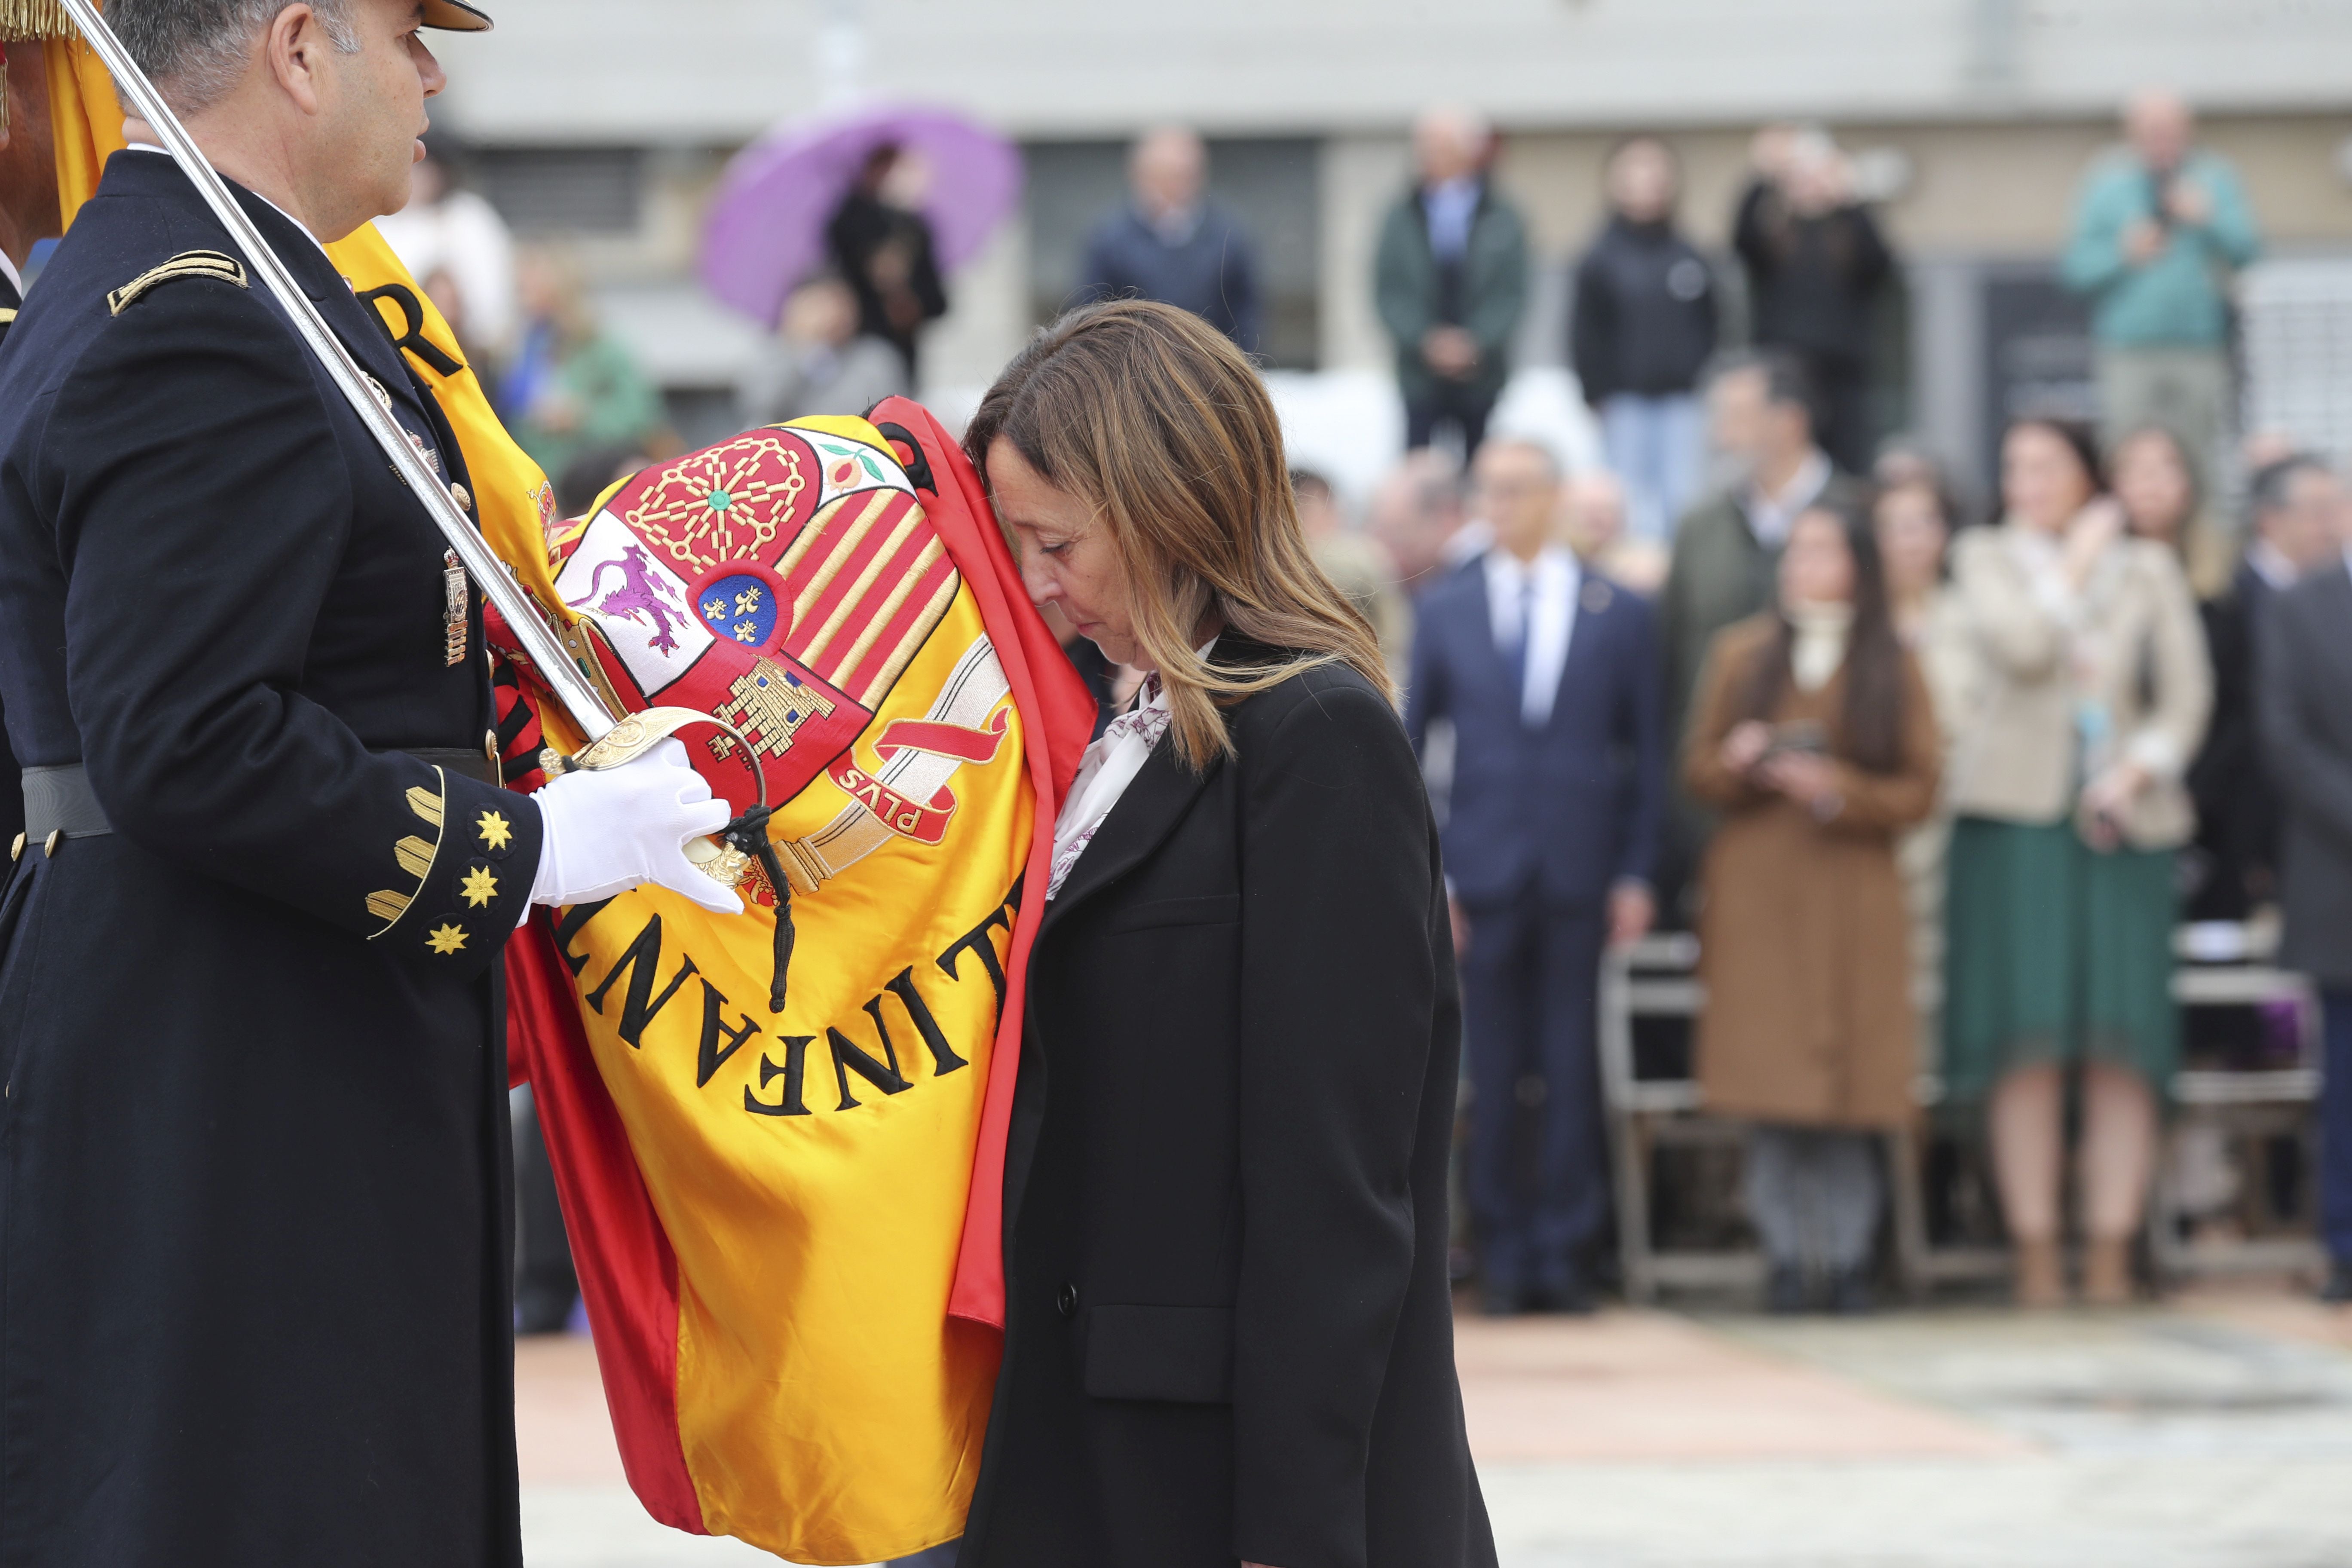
(453, 607)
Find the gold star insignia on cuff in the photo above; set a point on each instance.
(496, 830)
(446, 939)
(480, 886)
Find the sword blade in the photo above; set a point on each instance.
(573, 688)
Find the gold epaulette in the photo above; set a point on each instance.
(188, 264)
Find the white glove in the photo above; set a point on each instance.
(604, 833)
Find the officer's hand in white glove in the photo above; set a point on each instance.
(604, 833)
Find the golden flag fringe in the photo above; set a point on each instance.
(25, 21)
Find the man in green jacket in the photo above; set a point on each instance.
(1728, 555)
(1452, 282)
(2159, 229)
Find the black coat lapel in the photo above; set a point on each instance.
(1154, 802)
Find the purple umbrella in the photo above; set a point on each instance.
(766, 230)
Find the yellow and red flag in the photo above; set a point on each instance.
(790, 1222)
(786, 1226)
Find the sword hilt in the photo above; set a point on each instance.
(724, 861)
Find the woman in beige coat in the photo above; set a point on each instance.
(1815, 736)
(2068, 804)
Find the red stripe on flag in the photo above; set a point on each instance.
(629, 1279)
(845, 515)
(805, 625)
(889, 580)
(902, 622)
(1057, 717)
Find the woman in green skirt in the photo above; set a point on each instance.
(2090, 698)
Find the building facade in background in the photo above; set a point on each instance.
(1976, 117)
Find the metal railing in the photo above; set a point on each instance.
(2219, 965)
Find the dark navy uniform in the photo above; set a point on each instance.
(253, 1304)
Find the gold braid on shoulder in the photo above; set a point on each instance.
(211, 263)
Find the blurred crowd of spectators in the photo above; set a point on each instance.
(573, 394)
(1757, 675)
(1760, 677)
(1853, 736)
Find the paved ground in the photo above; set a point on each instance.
(2215, 1433)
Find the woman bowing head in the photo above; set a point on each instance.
(1228, 1335)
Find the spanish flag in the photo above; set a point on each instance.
(787, 1224)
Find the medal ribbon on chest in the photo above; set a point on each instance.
(453, 607)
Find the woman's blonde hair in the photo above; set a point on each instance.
(1153, 418)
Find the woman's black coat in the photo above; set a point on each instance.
(1228, 1332)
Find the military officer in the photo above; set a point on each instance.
(253, 1304)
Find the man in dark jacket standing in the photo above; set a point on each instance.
(2304, 703)
(2292, 504)
(882, 247)
(1451, 281)
(1641, 323)
(1549, 675)
(1815, 263)
(253, 1239)
(1173, 245)
(1728, 554)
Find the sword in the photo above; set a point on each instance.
(613, 739)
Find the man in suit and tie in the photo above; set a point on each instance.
(1550, 676)
(2303, 703)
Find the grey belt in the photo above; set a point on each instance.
(59, 800)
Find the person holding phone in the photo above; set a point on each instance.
(1815, 738)
(2070, 806)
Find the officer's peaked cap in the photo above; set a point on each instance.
(30, 21)
(455, 17)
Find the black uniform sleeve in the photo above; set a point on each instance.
(204, 503)
(1339, 988)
